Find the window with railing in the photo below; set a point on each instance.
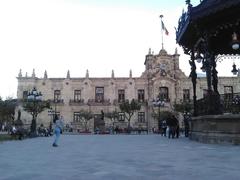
(121, 95)
(186, 94)
(57, 95)
(121, 116)
(141, 117)
(141, 95)
(77, 95)
(99, 94)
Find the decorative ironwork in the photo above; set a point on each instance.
(230, 103)
(56, 101)
(104, 102)
(76, 102)
(207, 33)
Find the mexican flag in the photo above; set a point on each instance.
(164, 28)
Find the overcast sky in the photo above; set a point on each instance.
(76, 35)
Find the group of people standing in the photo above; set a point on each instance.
(170, 127)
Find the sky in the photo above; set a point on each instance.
(76, 35)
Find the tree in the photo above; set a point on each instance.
(85, 117)
(35, 107)
(129, 109)
(112, 115)
(7, 110)
(184, 106)
(164, 115)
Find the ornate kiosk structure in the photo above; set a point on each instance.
(207, 32)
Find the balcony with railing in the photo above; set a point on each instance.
(142, 101)
(116, 102)
(76, 102)
(103, 102)
(57, 101)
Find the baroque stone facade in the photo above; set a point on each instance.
(162, 77)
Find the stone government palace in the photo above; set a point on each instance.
(162, 78)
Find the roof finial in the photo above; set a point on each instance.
(149, 51)
(45, 74)
(87, 74)
(33, 74)
(20, 73)
(130, 73)
(68, 74)
(176, 51)
(26, 75)
(112, 73)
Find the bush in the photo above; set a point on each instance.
(5, 137)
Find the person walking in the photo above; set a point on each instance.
(164, 128)
(177, 130)
(186, 123)
(58, 122)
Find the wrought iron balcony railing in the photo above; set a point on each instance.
(56, 101)
(76, 102)
(94, 102)
(117, 101)
(142, 101)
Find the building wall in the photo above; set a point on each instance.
(161, 70)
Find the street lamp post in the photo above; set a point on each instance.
(51, 113)
(55, 108)
(35, 98)
(158, 103)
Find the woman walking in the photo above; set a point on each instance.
(57, 130)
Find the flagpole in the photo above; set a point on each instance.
(161, 16)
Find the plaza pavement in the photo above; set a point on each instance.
(117, 157)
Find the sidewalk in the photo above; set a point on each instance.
(117, 157)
